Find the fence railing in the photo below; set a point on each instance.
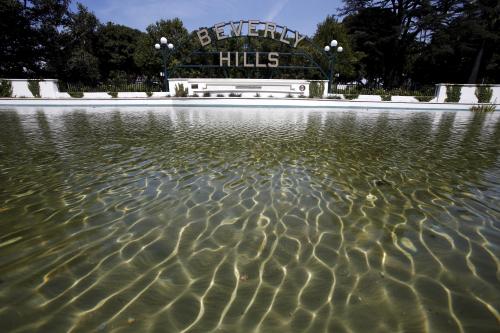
(119, 87)
(355, 89)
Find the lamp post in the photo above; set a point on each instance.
(165, 48)
(331, 50)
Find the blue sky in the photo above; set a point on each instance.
(302, 15)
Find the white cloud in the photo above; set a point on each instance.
(276, 9)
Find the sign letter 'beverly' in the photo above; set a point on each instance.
(253, 28)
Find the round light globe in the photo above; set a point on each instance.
(157, 46)
(163, 40)
(170, 46)
(327, 48)
(333, 43)
(340, 49)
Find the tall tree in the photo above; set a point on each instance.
(416, 20)
(17, 45)
(116, 45)
(48, 18)
(466, 49)
(148, 59)
(347, 61)
(81, 40)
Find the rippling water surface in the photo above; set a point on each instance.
(222, 220)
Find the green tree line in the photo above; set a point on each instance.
(389, 43)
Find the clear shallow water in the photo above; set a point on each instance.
(249, 220)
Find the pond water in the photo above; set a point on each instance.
(222, 220)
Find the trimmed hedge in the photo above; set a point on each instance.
(483, 94)
(76, 94)
(180, 91)
(316, 89)
(5, 88)
(34, 87)
(453, 93)
(424, 98)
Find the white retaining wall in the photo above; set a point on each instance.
(467, 93)
(20, 88)
(245, 87)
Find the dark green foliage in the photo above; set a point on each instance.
(5, 88)
(257, 95)
(206, 94)
(334, 97)
(194, 95)
(113, 94)
(483, 94)
(424, 98)
(34, 87)
(351, 96)
(367, 90)
(76, 94)
(149, 93)
(483, 108)
(180, 91)
(110, 86)
(316, 89)
(16, 40)
(148, 59)
(453, 93)
(234, 95)
(345, 63)
(220, 95)
(289, 95)
(116, 45)
(386, 98)
(302, 96)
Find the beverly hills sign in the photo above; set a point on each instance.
(250, 28)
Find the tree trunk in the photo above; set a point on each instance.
(477, 64)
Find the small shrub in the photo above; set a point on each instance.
(34, 87)
(75, 94)
(180, 91)
(289, 95)
(334, 97)
(194, 95)
(220, 95)
(302, 96)
(424, 98)
(351, 96)
(234, 95)
(113, 94)
(483, 108)
(453, 93)
(316, 89)
(257, 95)
(483, 94)
(206, 94)
(5, 88)
(386, 98)
(271, 96)
(149, 93)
